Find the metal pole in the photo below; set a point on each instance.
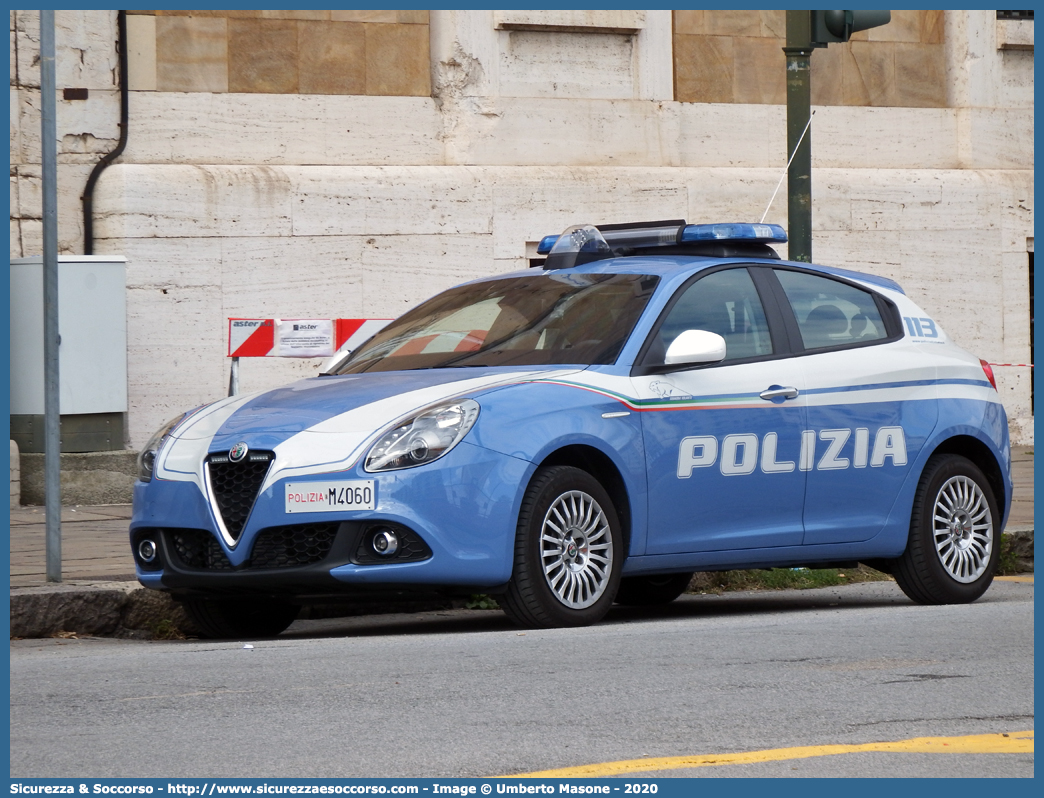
(233, 378)
(799, 110)
(52, 409)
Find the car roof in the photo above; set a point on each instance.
(668, 266)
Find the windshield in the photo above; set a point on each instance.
(535, 320)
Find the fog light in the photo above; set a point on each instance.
(147, 550)
(385, 543)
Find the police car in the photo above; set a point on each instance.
(649, 401)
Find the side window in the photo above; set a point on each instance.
(830, 313)
(726, 303)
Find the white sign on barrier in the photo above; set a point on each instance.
(305, 337)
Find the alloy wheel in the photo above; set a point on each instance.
(576, 549)
(963, 529)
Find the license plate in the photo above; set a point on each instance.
(331, 497)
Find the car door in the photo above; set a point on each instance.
(723, 440)
(870, 403)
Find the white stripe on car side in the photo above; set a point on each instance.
(827, 389)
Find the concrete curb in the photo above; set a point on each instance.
(1022, 546)
(127, 609)
(111, 609)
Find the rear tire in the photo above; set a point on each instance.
(568, 552)
(954, 542)
(224, 618)
(648, 591)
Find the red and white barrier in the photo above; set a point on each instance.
(294, 338)
(298, 337)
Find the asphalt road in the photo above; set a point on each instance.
(463, 693)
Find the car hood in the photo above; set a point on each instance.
(322, 424)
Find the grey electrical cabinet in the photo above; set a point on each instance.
(92, 324)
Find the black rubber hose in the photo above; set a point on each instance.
(88, 192)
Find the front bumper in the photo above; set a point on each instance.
(461, 509)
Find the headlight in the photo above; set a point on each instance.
(424, 438)
(147, 456)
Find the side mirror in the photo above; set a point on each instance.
(338, 358)
(695, 346)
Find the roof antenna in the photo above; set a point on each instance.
(787, 167)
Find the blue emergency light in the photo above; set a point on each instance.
(545, 244)
(734, 233)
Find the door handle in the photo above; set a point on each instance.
(779, 393)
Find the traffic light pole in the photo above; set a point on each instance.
(799, 109)
(807, 30)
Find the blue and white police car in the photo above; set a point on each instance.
(651, 400)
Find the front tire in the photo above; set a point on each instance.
(224, 618)
(568, 552)
(648, 591)
(954, 542)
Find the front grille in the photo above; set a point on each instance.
(294, 546)
(235, 486)
(198, 549)
(289, 546)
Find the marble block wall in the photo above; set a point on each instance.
(280, 52)
(737, 56)
(87, 129)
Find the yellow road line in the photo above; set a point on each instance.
(1012, 743)
(1025, 578)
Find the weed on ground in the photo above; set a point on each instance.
(782, 579)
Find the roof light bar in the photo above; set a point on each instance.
(673, 233)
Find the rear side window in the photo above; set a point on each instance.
(830, 313)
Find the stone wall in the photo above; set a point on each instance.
(87, 478)
(737, 57)
(280, 52)
(16, 476)
(293, 204)
(85, 45)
